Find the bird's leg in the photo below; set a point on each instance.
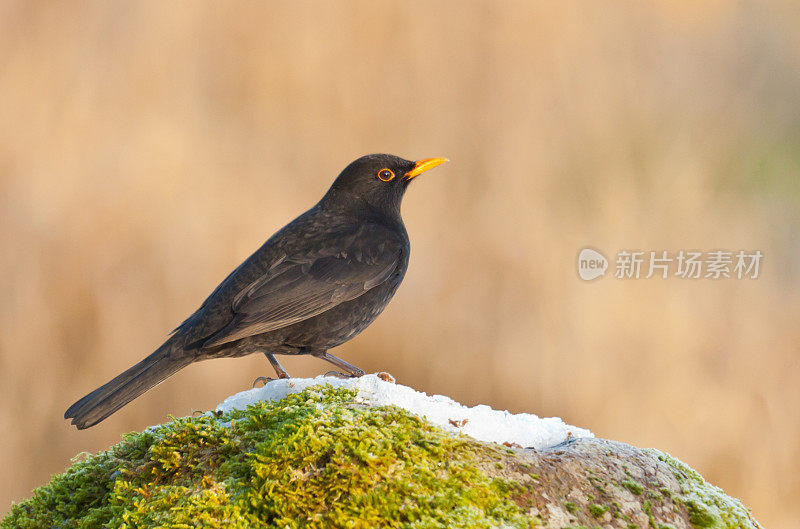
(281, 372)
(349, 368)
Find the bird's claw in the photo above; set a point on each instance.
(262, 379)
(337, 374)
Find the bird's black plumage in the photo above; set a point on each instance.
(315, 284)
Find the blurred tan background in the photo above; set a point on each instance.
(147, 148)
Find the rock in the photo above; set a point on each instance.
(595, 482)
(323, 458)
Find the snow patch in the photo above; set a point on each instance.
(480, 422)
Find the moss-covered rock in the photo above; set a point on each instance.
(320, 459)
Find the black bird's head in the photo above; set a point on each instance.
(376, 181)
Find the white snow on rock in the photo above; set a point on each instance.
(480, 422)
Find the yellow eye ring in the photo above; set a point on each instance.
(385, 174)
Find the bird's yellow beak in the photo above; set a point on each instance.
(423, 165)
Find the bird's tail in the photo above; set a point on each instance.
(125, 387)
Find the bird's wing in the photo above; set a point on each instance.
(302, 286)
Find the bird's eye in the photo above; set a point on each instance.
(385, 174)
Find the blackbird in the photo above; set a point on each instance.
(316, 283)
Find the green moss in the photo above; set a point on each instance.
(598, 510)
(598, 484)
(700, 515)
(654, 495)
(315, 459)
(707, 505)
(647, 507)
(571, 507)
(632, 486)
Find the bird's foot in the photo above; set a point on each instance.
(337, 374)
(351, 371)
(260, 382)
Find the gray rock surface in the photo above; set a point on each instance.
(601, 483)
